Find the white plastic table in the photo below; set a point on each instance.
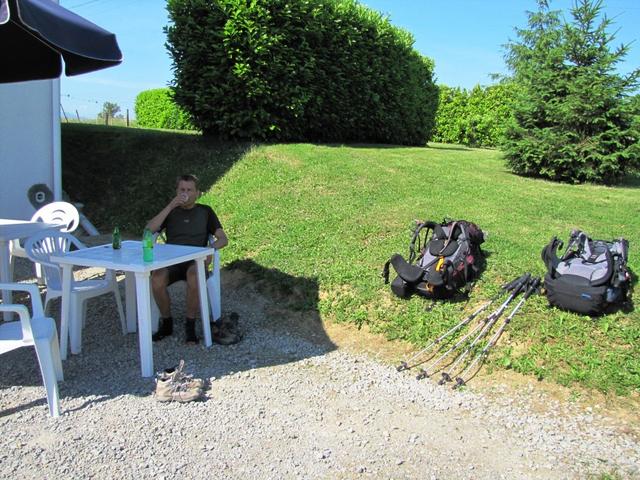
(129, 260)
(14, 230)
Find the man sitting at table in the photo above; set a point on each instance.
(185, 222)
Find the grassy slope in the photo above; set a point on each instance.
(335, 214)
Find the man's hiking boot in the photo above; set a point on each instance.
(230, 322)
(168, 391)
(223, 337)
(173, 385)
(190, 331)
(165, 329)
(225, 331)
(179, 376)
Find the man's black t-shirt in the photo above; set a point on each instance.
(191, 226)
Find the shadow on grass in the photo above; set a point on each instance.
(278, 316)
(129, 174)
(632, 180)
(446, 146)
(382, 146)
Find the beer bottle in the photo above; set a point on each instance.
(147, 245)
(116, 241)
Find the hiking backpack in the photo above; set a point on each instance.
(443, 263)
(590, 276)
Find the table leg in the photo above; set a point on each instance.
(66, 310)
(5, 259)
(143, 296)
(130, 302)
(204, 302)
(155, 312)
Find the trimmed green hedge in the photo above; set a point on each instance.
(311, 70)
(157, 109)
(476, 117)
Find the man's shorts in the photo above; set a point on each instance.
(178, 271)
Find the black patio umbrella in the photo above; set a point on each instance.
(35, 35)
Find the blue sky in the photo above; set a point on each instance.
(464, 37)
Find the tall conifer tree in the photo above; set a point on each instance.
(573, 115)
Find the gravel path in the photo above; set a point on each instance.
(284, 404)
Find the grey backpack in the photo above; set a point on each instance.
(443, 259)
(590, 276)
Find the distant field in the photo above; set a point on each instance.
(334, 215)
(114, 122)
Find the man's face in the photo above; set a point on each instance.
(188, 192)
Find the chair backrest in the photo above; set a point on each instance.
(42, 245)
(21, 310)
(59, 213)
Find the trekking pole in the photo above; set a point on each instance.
(533, 286)
(425, 371)
(488, 324)
(504, 288)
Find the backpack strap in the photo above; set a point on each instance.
(429, 225)
(409, 273)
(585, 247)
(574, 246)
(610, 268)
(385, 272)
(621, 273)
(442, 244)
(549, 255)
(449, 237)
(452, 229)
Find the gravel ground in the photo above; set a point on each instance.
(286, 403)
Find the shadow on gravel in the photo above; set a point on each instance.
(278, 316)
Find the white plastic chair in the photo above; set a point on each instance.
(213, 288)
(58, 213)
(39, 248)
(37, 331)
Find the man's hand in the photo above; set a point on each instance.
(179, 200)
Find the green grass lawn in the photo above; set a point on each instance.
(335, 214)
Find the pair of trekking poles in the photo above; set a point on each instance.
(524, 284)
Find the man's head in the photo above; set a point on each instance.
(187, 188)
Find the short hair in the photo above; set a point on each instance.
(187, 178)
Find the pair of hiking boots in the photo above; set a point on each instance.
(224, 332)
(175, 385)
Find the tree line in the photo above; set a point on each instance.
(336, 71)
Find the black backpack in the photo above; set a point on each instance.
(591, 276)
(443, 263)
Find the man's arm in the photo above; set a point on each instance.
(221, 239)
(156, 222)
(220, 242)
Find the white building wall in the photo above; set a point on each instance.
(29, 144)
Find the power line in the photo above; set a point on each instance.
(89, 2)
(82, 4)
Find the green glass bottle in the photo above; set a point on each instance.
(116, 241)
(147, 245)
